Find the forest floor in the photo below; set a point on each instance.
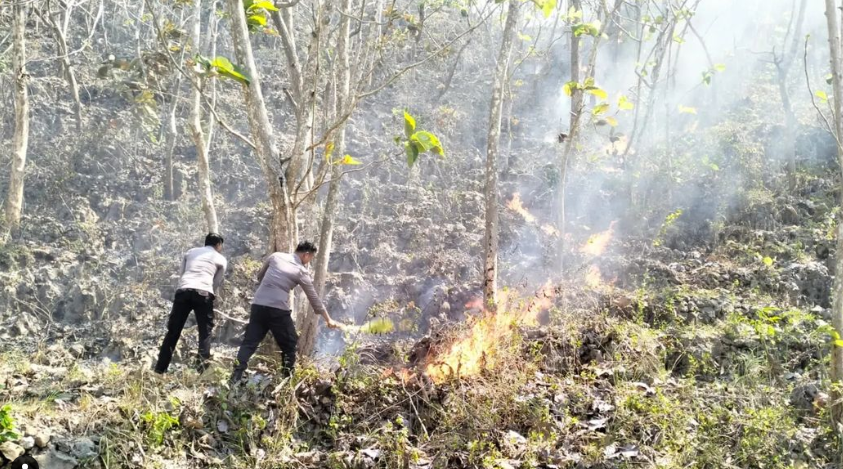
(650, 357)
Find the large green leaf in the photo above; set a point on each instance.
(256, 20)
(590, 29)
(547, 7)
(602, 94)
(224, 67)
(262, 5)
(600, 109)
(426, 141)
(409, 124)
(412, 153)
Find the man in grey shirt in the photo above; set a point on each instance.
(202, 270)
(281, 272)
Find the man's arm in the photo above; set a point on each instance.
(183, 265)
(306, 284)
(263, 270)
(218, 277)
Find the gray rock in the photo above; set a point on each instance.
(42, 439)
(11, 451)
(27, 442)
(83, 448)
(802, 397)
(77, 350)
(53, 459)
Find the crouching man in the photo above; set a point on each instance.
(281, 272)
(201, 275)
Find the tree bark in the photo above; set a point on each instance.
(837, 309)
(576, 112)
(490, 239)
(198, 134)
(307, 341)
(170, 137)
(261, 131)
(14, 198)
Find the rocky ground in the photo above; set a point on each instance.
(707, 357)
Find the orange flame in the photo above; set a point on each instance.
(593, 278)
(597, 244)
(476, 303)
(478, 350)
(516, 205)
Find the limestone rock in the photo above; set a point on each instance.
(11, 451)
(56, 460)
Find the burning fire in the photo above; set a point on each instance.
(597, 244)
(479, 349)
(593, 278)
(476, 303)
(517, 206)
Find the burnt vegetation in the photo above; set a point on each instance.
(580, 234)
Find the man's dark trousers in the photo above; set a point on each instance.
(261, 320)
(184, 302)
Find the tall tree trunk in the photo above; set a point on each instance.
(309, 327)
(490, 239)
(198, 134)
(837, 309)
(170, 138)
(14, 198)
(282, 228)
(573, 126)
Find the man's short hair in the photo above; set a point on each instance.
(213, 239)
(306, 247)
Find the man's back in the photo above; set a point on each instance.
(281, 273)
(202, 269)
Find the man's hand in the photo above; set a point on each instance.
(330, 322)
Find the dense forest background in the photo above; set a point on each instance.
(590, 233)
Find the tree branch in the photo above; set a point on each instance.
(828, 126)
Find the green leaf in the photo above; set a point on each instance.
(257, 20)
(412, 153)
(829, 78)
(822, 95)
(425, 141)
(768, 261)
(409, 124)
(589, 29)
(262, 5)
(598, 92)
(720, 68)
(600, 109)
(227, 69)
(612, 121)
(687, 110)
(624, 104)
(547, 7)
(838, 343)
(569, 87)
(349, 160)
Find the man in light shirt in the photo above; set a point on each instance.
(201, 275)
(281, 272)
